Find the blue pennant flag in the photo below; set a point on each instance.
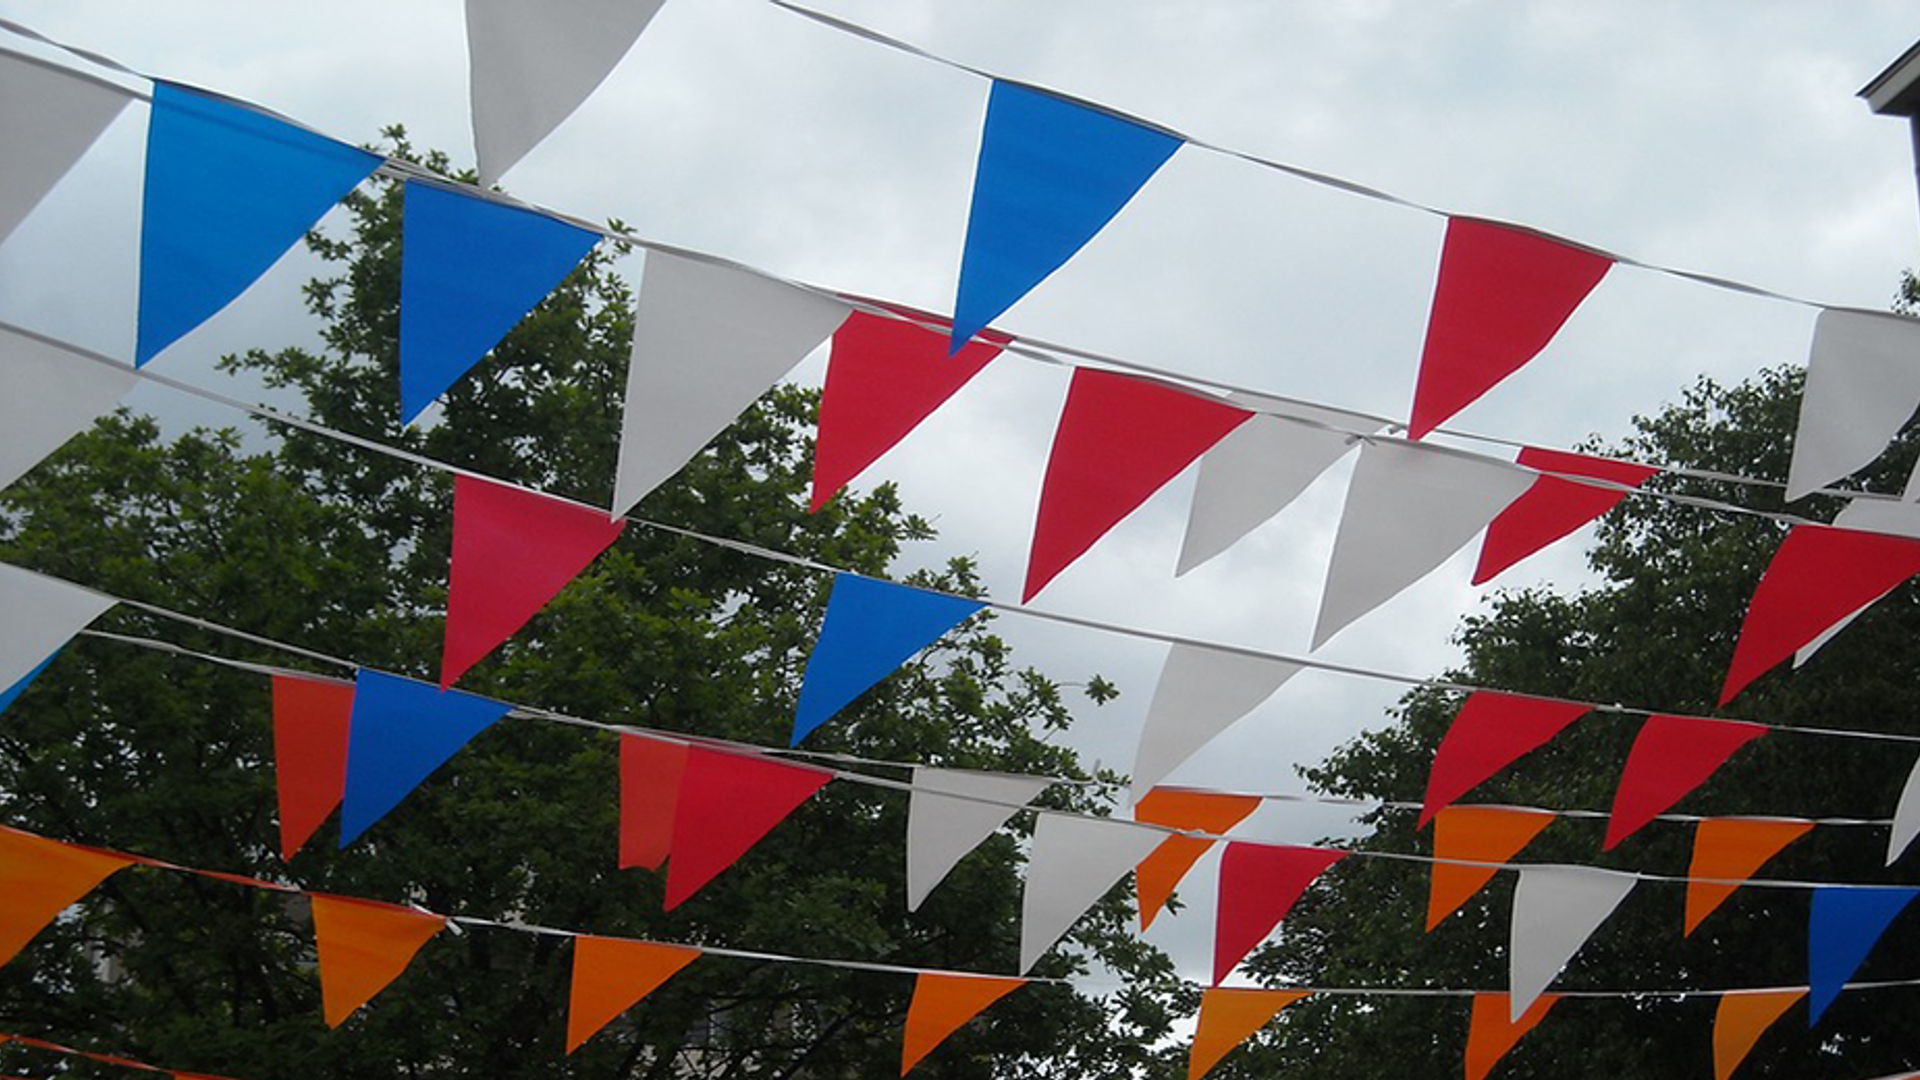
(8, 695)
(400, 731)
(469, 271)
(871, 627)
(228, 190)
(1845, 924)
(1051, 175)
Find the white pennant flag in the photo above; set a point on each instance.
(1863, 384)
(1866, 515)
(952, 812)
(1074, 861)
(1555, 910)
(49, 116)
(530, 65)
(1408, 508)
(707, 341)
(1906, 817)
(1201, 692)
(38, 614)
(50, 396)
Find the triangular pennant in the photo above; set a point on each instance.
(513, 550)
(38, 614)
(1844, 925)
(470, 270)
(1555, 910)
(611, 975)
(1553, 506)
(312, 719)
(1894, 518)
(650, 772)
(1739, 1021)
(12, 693)
(1201, 693)
(1209, 812)
(1502, 294)
(229, 189)
(401, 732)
(1074, 861)
(1731, 849)
(1051, 174)
(529, 67)
(52, 395)
(727, 803)
(1671, 756)
(364, 946)
(1475, 834)
(941, 1004)
(49, 117)
(1863, 385)
(950, 813)
(708, 340)
(871, 627)
(1408, 508)
(40, 878)
(1493, 1030)
(1228, 1017)
(1491, 731)
(1906, 817)
(1120, 439)
(1259, 884)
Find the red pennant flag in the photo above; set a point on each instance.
(611, 975)
(1732, 849)
(727, 803)
(1491, 731)
(40, 878)
(1493, 1031)
(1199, 811)
(1501, 296)
(363, 947)
(1120, 440)
(311, 718)
(1475, 834)
(513, 550)
(1259, 884)
(941, 1003)
(650, 772)
(1553, 506)
(1739, 1021)
(1228, 1018)
(1671, 756)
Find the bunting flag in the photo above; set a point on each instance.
(1842, 929)
(513, 550)
(1671, 756)
(530, 67)
(1120, 439)
(39, 614)
(1894, 518)
(1051, 174)
(1074, 861)
(1407, 509)
(1555, 910)
(364, 946)
(1198, 811)
(229, 189)
(727, 803)
(871, 627)
(1862, 387)
(312, 719)
(1906, 817)
(49, 117)
(950, 813)
(52, 395)
(1502, 294)
(400, 733)
(1553, 506)
(1493, 1030)
(1730, 849)
(1739, 1021)
(611, 975)
(1491, 731)
(1259, 884)
(40, 878)
(1229, 1017)
(650, 774)
(1201, 692)
(1475, 834)
(708, 340)
(470, 270)
(12, 693)
(941, 1004)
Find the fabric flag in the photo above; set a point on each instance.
(1259, 884)
(611, 975)
(1502, 294)
(941, 1004)
(884, 376)
(1493, 1029)
(1730, 849)
(708, 340)
(1869, 515)
(950, 813)
(12, 693)
(364, 946)
(1739, 1021)
(530, 66)
(229, 189)
(1074, 861)
(1228, 1017)
(727, 803)
(1051, 174)
(1209, 812)
(1553, 506)
(312, 719)
(400, 733)
(1475, 834)
(513, 550)
(40, 878)
(1491, 731)
(52, 394)
(1555, 910)
(38, 614)
(1120, 439)
(1671, 756)
(650, 774)
(1844, 925)
(470, 270)
(1906, 817)
(1201, 692)
(1863, 385)
(871, 628)
(49, 117)
(1408, 508)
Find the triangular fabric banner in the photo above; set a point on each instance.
(1553, 506)
(1844, 925)
(530, 66)
(941, 1004)
(1491, 731)
(950, 813)
(611, 975)
(229, 189)
(708, 340)
(650, 773)
(52, 395)
(470, 270)
(1228, 1017)
(1863, 385)
(884, 376)
(1493, 1030)
(1906, 817)
(1209, 812)
(1740, 1019)
(1259, 884)
(40, 878)
(1201, 692)
(312, 719)
(1475, 834)
(1869, 515)
(1120, 439)
(513, 550)
(1074, 861)
(39, 614)
(1408, 508)
(1730, 849)
(1555, 910)
(1671, 756)
(49, 117)
(1502, 294)
(727, 803)
(364, 946)
(401, 732)
(870, 628)
(12, 693)
(1051, 174)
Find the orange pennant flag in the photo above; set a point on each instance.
(1739, 1021)
(941, 1003)
(1492, 1031)
(1227, 1018)
(363, 946)
(1732, 849)
(39, 878)
(611, 975)
(1201, 811)
(1479, 834)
